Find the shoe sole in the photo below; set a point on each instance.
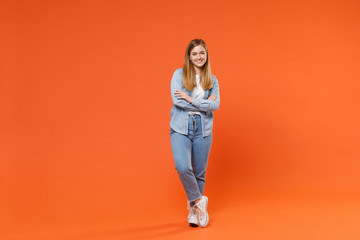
(193, 224)
(207, 215)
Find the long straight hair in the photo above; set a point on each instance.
(189, 80)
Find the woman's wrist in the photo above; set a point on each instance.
(190, 100)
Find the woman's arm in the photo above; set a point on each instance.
(207, 105)
(176, 84)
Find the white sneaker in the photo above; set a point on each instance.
(201, 211)
(192, 218)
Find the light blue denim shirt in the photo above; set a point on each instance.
(180, 109)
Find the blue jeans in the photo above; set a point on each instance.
(191, 153)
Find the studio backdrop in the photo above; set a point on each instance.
(85, 103)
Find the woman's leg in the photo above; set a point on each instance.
(200, 151)
(181, 146)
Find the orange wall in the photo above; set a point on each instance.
(85, 102)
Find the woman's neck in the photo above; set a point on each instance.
(197, 70)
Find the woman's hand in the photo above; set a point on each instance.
(212, 97)
(183, 95)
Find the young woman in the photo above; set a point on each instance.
(195, 95)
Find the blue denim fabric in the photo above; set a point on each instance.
(191, 153)
(180, 108)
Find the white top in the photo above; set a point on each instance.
(198, 92)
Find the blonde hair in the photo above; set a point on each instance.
(189, 80)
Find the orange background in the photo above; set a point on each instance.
(85, 111)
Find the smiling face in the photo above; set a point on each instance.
(198, 57)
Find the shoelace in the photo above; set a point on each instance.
(201, 212)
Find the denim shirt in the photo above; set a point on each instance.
(180, 109)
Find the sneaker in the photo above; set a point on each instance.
(201, 211)
(192, 217)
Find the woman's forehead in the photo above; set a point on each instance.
(198, 48)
